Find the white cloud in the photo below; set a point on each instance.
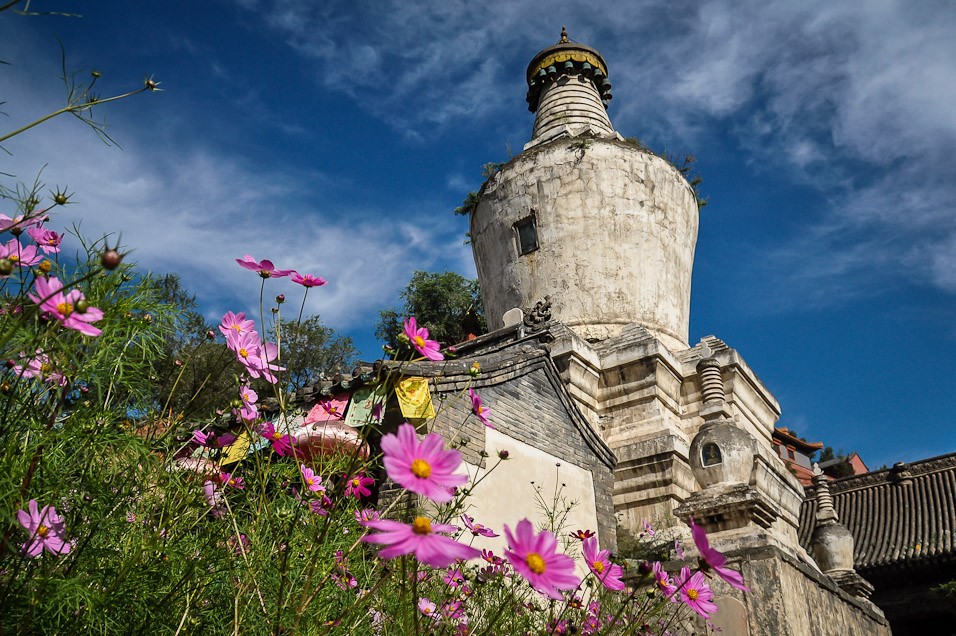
(190, 208)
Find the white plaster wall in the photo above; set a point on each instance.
(617, 229)
(507, 494)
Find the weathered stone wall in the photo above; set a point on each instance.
(616, 230)
(789, 598)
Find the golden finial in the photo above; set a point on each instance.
(564, 36)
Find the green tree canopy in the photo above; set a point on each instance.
(446, 303)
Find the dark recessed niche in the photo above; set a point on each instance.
(710, 455)
(526, 234)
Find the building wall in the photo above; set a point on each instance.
(583, 193)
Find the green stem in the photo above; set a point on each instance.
(71, 108)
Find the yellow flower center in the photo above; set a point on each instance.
(310, 481)
(45, 368)
(419, 342)
(277, 435)
(421, 469)
(598, 567)
(692, 594)
(13, 257)
(421, 525)
(356, 482)
(43, 531)
(535, 563)
(243, 353)
(236, 327)
(65, 308)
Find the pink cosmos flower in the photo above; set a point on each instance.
(213, 439)
(426, 607)
(599, 562)
(581, 535)
(696, 594)
(678, 549)
(453, 610)
(281, 444)
(312, 481)
(357, 486)
(307, 280)
(377, 412)
(422, 467)
(711, 559)
(255, 356)
(235, 325)
(21, 222)
(454, 577)
(534, 557)
(47, 240)
(364, 516)
(663, 580)
(20, 255)
(249, 411)
(63, 307)
(264, 268)
(335, 408)
(418, 336)
(41, 368)
(47, 530)
(480, 411)
(422, 539)
(228, 479)
(477, 529)
(648, 528)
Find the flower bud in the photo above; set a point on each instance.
(503, 454)
(96, 74)
(45, 267)
(81, 306)
(475, 370)
(280, 298)
(6, 267)
(211, 335)
(110, 259)
(60, 197)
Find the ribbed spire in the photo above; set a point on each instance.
(825, 510)
(569, 89)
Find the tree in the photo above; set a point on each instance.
(193, 374)
(310, 349)
(446, 303)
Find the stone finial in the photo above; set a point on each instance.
(825, 510)
(564, 36)
(832, 543)
(711, 382)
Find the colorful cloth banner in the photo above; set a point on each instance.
(328, 410)
(363, 403)
(414, 398)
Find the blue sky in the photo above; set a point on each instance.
(337, 137)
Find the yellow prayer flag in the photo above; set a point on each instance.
(414, 398)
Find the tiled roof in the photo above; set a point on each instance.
(901, 518)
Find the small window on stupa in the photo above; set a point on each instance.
(526, 232)
(710, 454)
